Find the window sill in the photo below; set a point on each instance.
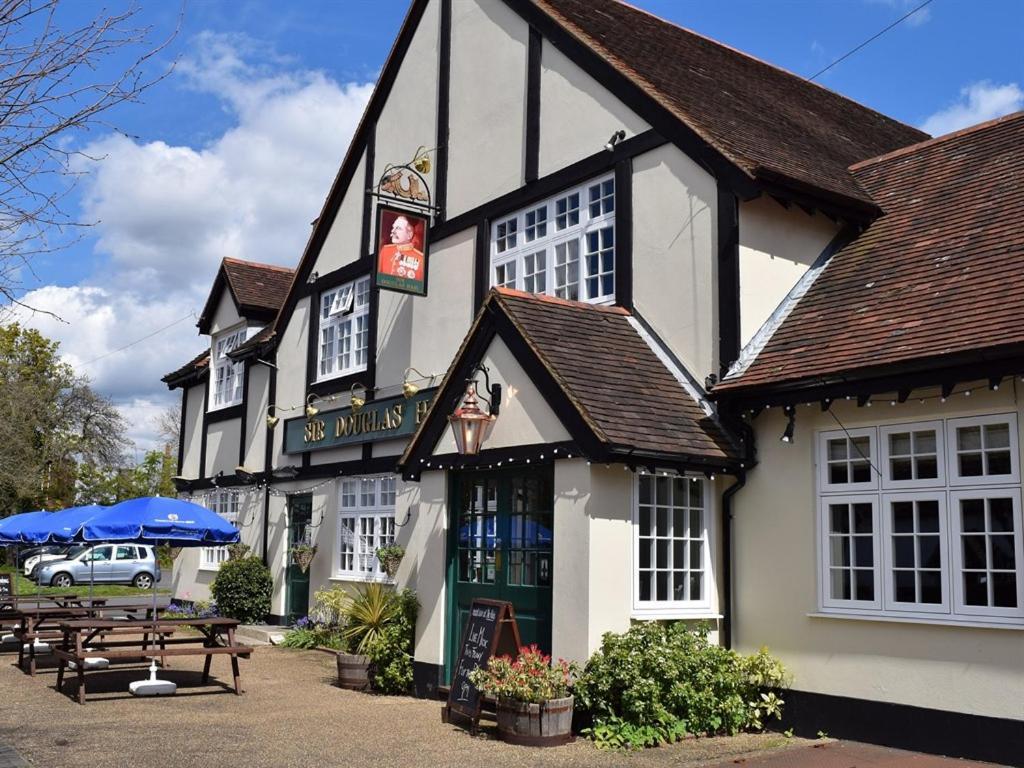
(209, 568)
(361, 578)
(224, 412)
(933, 621)
(693, 614)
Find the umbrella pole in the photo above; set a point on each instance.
(92, 573)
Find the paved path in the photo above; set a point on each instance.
(849, 754)
(11, 759)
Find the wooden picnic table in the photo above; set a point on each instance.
(14, 602)
(43, 624)
(216, 635)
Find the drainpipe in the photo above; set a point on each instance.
(750, 461)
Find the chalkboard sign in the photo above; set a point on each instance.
(491, 630)
(6, 586)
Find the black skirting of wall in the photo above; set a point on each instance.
(426, 678)
(934, 731)
(277, 621)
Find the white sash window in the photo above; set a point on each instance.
(366, 522)
(344, 329)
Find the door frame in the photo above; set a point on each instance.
(288, 549)
(451, 643)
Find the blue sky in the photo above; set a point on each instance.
(232, 153)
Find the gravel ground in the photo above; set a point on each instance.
(292, 714)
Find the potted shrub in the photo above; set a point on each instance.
(302, 555)
(390, 558)
(534, 705)
(372, 609)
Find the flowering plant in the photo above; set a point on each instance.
(530, 677)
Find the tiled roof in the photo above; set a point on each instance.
(613, 378)
(772, 124)
(258, 286)
(194, 367)
(248, 346)
(941, 272)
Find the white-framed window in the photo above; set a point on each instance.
(983, 450)
(227, 376)
(846, 461)
(671, 546)
(934, 531)
(225, 504)
(563, 246)
(366, 522)
(344, 329)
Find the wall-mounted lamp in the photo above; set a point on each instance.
(357, 402)
(615, 139)
(313, 277)
(470, 425)
(312, 410)
(181, 484)
(287, 472)
(245, 475)
(271, 419)
(408, 388)
(787, 436)
(215, 479)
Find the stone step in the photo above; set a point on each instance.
(259, 634)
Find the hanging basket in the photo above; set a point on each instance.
(302, 556)
(390, 558)
(238, 551)
(173, 552)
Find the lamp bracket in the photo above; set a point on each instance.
(493, 396)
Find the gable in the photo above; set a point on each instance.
(225, 315)
(525, 418)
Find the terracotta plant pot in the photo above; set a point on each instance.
(353, 671)
(547, 724)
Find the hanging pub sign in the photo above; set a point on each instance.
(491, 630)
(404, 214)
(6, 585)
(402, 250)
(385, 419)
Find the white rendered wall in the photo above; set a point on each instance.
(341, 246)
(961, 669)
(525, 417)
(674, 242)
(222, 439)
(423, 567)
(577, 114)
(488, 103)
(777, 245)
(192, 426)
(291, 377)
(255, 436)
(226, 314)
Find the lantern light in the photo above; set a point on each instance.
(470, 425)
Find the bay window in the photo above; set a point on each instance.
(671, 546)
(563, 246)
(934, 531)
(366, 523)
(225, 504)
(227, 376)
(344, 329)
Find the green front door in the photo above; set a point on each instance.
(500, 547)
(300, 514)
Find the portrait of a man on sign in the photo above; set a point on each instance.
(402, 250)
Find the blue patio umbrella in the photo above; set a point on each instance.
(58, 527)
(159, 520)
(11, 527)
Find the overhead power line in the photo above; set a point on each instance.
(874, 37)
(139, 341)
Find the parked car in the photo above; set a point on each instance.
(134, 564)
(42, 555)
(24, 553)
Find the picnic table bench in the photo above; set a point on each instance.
(14, 602)
(44, 624)
(217, 636)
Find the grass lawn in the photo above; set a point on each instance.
(24, 587)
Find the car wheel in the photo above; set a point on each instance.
(143, 581)
(62, 580)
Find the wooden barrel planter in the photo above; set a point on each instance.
(353, 671)
(535, 725)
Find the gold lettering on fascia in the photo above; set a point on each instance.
(421, 410)
(314, 431)
(370, 422)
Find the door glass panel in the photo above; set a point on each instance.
(478, 537)
(530, 529)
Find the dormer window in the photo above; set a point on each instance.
(227, 376)
(563, 246)
(344, 329)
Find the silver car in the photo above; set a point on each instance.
(134, 564)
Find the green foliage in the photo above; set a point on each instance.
(52, 425)
(313, 636)
(390, 558)
(372, 609)
(109, 485)
(653, 683)
(329, 606)
(391, 651)
(242, 589)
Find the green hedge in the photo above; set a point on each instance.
(242, 590)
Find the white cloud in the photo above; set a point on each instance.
(168, 214)
(978, 102)
(905, 6)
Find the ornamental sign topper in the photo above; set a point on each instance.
(404, 213)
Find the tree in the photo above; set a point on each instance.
(51, 424)
(168, 425)
(58, 77)
(109, 485)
